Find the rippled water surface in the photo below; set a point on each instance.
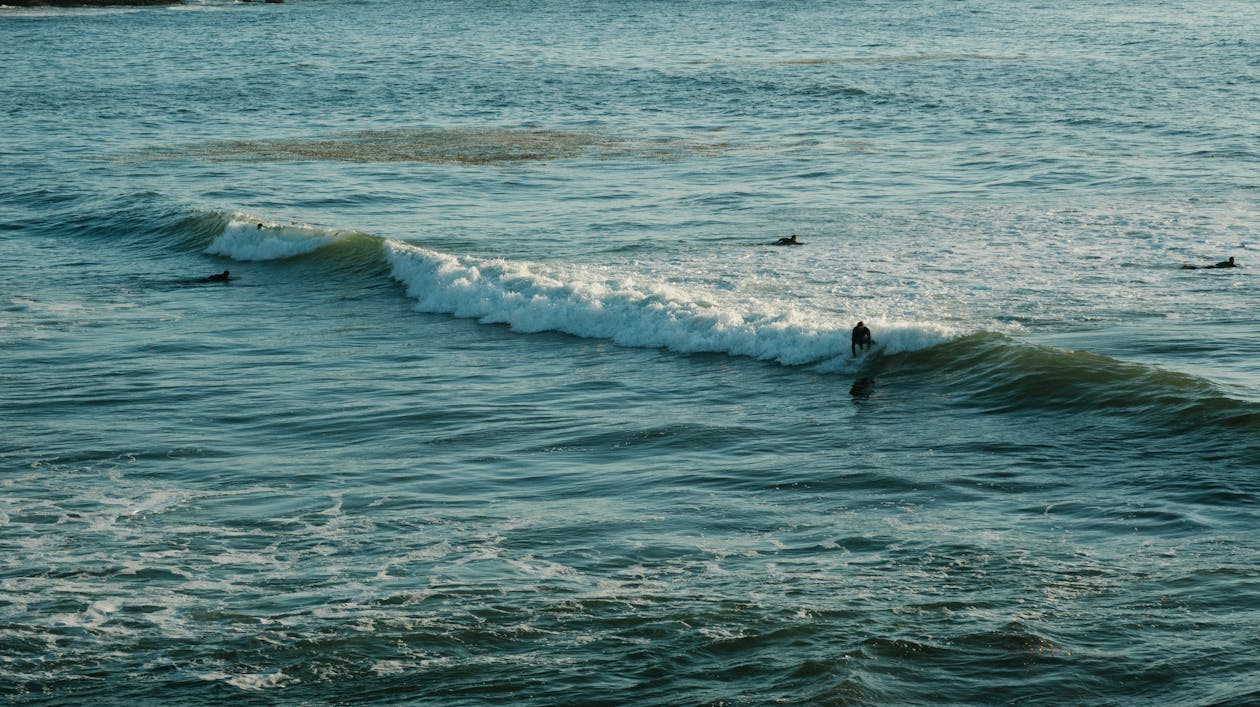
(510, 400)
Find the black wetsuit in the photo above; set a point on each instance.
(861, 337)
(1223, 264)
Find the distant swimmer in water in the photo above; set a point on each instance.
(260, 226)
(1223, 264)
(788, 241)
(221, 277)
(861, 337)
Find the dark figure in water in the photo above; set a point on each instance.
(221, 277)
(1223, 264)
(861, 337)
(788, 241)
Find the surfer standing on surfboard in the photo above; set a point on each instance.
(861, 337)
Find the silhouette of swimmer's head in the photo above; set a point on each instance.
(260, 226)
(222, 277)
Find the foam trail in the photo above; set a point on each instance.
(531, 297)
(244, 240)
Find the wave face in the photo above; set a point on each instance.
(1003, 375)
(247, 239)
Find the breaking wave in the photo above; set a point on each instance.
(532, 297)
(991, 371)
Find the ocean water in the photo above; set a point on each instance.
(509, 399)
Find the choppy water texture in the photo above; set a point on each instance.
(509, 399)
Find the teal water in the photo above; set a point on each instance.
(510, 401)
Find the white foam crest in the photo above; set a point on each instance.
(245, 240)
(250, 681)
(894, 337)
(335, 509)
(532, 297)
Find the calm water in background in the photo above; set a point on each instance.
(509, 400)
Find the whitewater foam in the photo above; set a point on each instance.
(259, 240)
(249, 681)
(534, 297)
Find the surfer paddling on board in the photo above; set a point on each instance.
(221, 277)
(1223, 264)
(861, 337)
(788, 241)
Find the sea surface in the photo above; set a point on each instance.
(510, 400)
